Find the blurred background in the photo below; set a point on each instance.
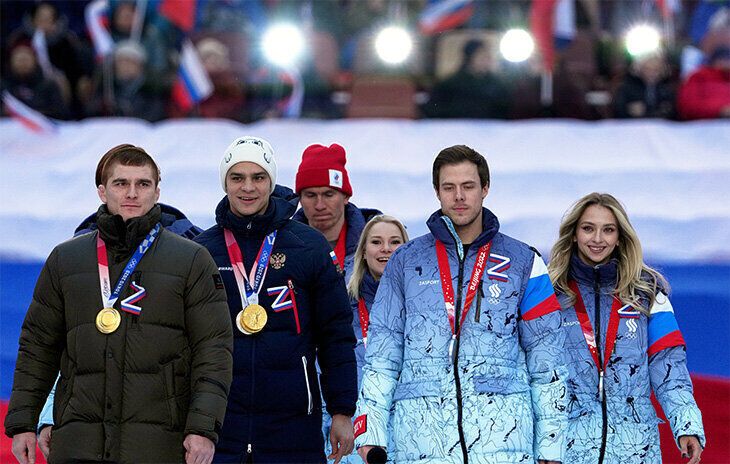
(563, 97)
(247, 60)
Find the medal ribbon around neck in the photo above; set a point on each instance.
(109, 297)
(340, 247)
(249, 286)
(448, 288)
(585, 326)
(364, 315)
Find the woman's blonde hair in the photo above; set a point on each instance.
(636, 281)
(361, 266)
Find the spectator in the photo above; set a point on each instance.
(68, 60)
(706, 92)
(157, 49)
(27, 83)
(131, 94)
(474, 91)
(647, 91)
(228, 99)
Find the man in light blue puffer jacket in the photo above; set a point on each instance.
(464, 353)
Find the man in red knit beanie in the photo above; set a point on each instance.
(323, 184)
(324, 189)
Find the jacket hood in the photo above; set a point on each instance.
(277, 214)
(171, 218)
(439, 229)
(285, 193)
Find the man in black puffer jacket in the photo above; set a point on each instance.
(135, 317)
(290, 307)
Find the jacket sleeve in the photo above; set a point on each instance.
(41, 343)
(333, 335)
(211, 344)
(668, 372)
(383, 357)
(542, 339)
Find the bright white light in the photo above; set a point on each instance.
(516, 45)
(642, 39)
(283, 44)
(393, 45)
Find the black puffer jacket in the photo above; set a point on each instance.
(274, 409)
(130, 396)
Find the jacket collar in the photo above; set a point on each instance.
(171, 219)
(441, 231)
(355, 218)
(122, 237)
(606, 274)
(368, 287)
(256, 226)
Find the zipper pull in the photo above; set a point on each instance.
(248, 449)
(600, 385)
(451, 347)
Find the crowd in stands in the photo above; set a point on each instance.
(49, 62)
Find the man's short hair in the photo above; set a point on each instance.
(458, 154)
(126, 155)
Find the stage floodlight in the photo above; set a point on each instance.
(393, 45)
(642, 40)
(283, 44)
(516, 45)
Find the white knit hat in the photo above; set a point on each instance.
(251, 149)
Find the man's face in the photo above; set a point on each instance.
(323, 206)
(248, 187)
(460, 192)
(130, 191)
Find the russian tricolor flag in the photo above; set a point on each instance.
(442, 15)
(97, 23)
(552, 23)
(291, 106)
(27, 116)
(663, 329)
(193, 84)
(539, 298)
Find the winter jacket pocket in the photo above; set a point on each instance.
(168, 380)
(64, 388)
(417, 389)
(502, 383)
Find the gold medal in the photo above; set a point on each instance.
(108, 320)
(252, 319)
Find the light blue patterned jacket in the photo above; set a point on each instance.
(503, 398)
(649, 354)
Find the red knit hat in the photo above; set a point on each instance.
(323, 167)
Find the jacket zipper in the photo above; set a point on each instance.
(250, 417)
(480, 295)
(602, 390)
(457, 380)
(306, 380)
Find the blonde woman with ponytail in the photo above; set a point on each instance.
(622, 342)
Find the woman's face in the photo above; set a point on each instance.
(382, 240)
(596, 235)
